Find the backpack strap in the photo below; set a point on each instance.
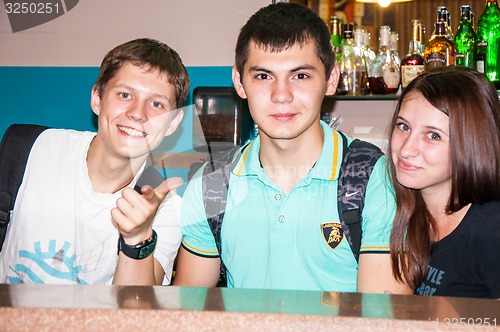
(215, 186)
(14, 151)
(357, 164)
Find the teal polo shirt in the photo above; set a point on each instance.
(292, 241)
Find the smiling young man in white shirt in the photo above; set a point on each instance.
(77, 218)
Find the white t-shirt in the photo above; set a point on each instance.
(61, 231)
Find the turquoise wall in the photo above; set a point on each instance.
(59, 97)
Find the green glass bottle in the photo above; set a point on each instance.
(488, 42)
(465, 40)
(336, 33)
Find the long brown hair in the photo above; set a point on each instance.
(471, 103)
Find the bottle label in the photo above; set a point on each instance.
(482, 44)
(391, 78)
(481, 56)
(480, 66)
(435, 59)
(409, 73)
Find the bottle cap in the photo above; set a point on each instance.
(466, 12)
(442, 14)
(393, 40)
(384, 35)
(348, 30)
(335, 25)
(416, 30)
(358, 36)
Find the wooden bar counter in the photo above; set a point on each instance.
(131, 308)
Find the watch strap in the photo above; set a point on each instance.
(139, 251)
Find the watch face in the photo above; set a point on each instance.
(147, 250)
(139, 251)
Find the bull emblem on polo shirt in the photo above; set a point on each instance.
(332, 233)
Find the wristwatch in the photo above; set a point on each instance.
(140, 250)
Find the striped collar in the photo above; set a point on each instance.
(326, 167)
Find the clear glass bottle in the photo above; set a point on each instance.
(394, 45)
(360, 74)
(465, 40)
(488, 42)
(412, 64)
(440, 51)
(370, 54)
(346, 60)
(422, 40)
(384, 75)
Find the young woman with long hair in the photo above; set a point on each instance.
(445, 168)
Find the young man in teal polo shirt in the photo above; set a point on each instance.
(283, 189)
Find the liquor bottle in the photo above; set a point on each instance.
(384, 75)
(443, 15)
(336, 33)
(360, 71)
(440, 51)
(422, 39)
(465, 40)
(370, 55)
(488, 42)
(346, 61)
(394, 45)
(412, 64)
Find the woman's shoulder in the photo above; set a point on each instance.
(485, 218)
(489, 209)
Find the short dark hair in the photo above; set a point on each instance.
(150, 54)
(282, 25)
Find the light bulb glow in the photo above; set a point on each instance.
(384, 3)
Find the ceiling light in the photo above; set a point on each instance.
(382, 3)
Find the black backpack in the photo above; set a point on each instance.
(358, 160)
(14, 151)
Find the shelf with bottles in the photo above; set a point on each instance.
(474, 46)
(365, 97)
(372, 97)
